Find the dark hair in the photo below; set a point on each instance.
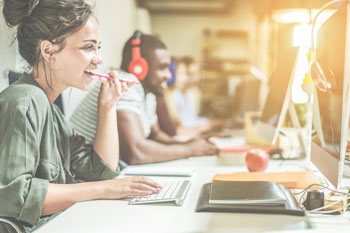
(149, 44)
(37, 20)
(188, 60)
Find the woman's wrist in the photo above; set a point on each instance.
(106, 108)
(99, 190)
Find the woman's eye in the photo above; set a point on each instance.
(89, 47)
(99, 47)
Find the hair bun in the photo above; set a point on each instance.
(32, 4)
(16, 10)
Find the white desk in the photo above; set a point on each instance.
(117, 216)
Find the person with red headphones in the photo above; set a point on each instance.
(154, 74)
(145, 59)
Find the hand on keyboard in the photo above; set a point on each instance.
(172, 191)
(129, 186)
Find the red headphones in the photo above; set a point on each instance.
(138, 65)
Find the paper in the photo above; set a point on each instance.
(293, 180)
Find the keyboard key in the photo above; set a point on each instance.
(173, 195)
(171, 190)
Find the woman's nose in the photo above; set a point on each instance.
(97, 59)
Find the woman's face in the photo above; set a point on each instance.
(181, 76)
(193, 74)
(79, 55)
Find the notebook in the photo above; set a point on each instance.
(291, 207)
(246, 192)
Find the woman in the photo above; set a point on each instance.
(45, 165)
(181, 113)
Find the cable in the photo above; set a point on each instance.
(324, 187)
(314, 66)
(325, 6)
(318, 210)
(307, 189)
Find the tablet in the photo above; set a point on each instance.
(158, 171)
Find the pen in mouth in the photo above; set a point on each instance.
(110, 77)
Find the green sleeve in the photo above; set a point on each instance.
(21, 194)
(86, 163)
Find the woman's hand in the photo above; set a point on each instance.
(111, 90)
(106, 138)
(129, 186)
(61, 196)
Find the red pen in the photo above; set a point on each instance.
(110, 77)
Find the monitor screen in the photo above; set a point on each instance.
(276, 104)
(246, 97)
(329, 105)
(278, 87)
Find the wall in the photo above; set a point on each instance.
(143, 21)
(117, 22)
(7, 53)
(183, 33)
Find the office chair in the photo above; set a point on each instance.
(12, 225)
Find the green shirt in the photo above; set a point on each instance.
(37, 147)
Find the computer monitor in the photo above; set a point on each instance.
(278, 98)
(246, 98)
(331, 98)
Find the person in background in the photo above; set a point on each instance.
(140, 137)
(180, 108)
(46, 166)
(164, 120)
(192, 93)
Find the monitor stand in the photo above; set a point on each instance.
(304, 134)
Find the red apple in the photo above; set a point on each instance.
(257, 160)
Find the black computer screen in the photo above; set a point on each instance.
(330, 55)
(278, 87)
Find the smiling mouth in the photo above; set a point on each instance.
(88, 72)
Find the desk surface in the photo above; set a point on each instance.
(117, 216)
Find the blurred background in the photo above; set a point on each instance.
(236, 42)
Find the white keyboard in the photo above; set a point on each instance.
(172, 191)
